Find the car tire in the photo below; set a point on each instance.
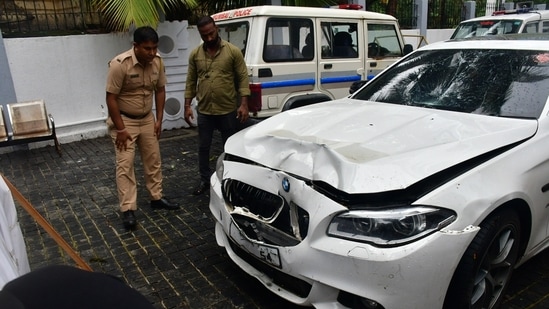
(483, 274)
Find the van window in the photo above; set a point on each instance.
(339, 40)
(383, 41)
(236, 33)
(285, 38)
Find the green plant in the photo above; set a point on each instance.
(120, 15)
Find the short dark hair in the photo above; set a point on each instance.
(145, 34)
(206, 20)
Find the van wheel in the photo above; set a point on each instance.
(483, 274)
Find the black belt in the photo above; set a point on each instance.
(134, 116)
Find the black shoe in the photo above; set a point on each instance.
(165, 204)
(201, 188)
(129, 219)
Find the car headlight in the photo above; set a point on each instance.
(220, 166)
(390, 227)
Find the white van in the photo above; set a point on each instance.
(300, 55)
(518, 20)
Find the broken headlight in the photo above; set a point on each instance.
(390, 227)
(220, 166)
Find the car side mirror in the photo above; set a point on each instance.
(408, 48)
(356, 85)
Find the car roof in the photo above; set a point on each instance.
(510, 36)
(531, 15)
(501, 42)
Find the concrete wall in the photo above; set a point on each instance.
(69, 73)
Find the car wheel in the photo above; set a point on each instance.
(483, 273)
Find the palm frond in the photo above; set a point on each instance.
(122, 14)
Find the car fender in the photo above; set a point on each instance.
(306, 99)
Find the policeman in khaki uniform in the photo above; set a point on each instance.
(134, 78)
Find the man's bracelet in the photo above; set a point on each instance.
(120, 131)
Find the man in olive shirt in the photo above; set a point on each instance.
(134, 78)
(217, 77)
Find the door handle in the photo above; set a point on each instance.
(328, 66)
(266, 72)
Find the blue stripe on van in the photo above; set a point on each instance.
(310, 81)
(288, 83)
(339, 79)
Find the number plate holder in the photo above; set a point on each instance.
(268, 254)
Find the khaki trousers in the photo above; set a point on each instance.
(143, 137)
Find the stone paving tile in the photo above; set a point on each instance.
(172, 257)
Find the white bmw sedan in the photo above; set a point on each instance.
(424, 189)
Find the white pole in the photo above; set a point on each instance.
(422, 16)
(7, 90)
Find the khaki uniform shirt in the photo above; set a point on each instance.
(134, 84)
(217, 81)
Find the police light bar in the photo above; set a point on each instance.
(517, 11)
(347, 6)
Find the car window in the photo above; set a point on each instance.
(545, 26)
(236, 33)
(339, 40)
(531, 27)
(383, 41)
(505, 83)
(285, 39)
(486, 27)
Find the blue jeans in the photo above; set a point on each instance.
(207, 124)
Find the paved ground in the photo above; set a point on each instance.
(172, 258)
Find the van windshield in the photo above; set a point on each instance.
(486, 27)
(236, 33)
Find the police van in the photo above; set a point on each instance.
(300, 55)
(523, 18)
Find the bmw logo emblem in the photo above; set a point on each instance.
(286, 184)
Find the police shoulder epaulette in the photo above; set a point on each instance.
(123, 57)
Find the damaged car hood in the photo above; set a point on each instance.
(368, 147)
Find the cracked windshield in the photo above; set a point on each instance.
(504, 83)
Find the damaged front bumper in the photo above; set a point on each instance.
(325, 271)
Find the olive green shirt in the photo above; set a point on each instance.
(217, 81)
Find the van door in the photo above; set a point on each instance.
(341, 59)
(384, 46)
(287, 67)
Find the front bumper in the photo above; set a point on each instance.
(319, 268)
